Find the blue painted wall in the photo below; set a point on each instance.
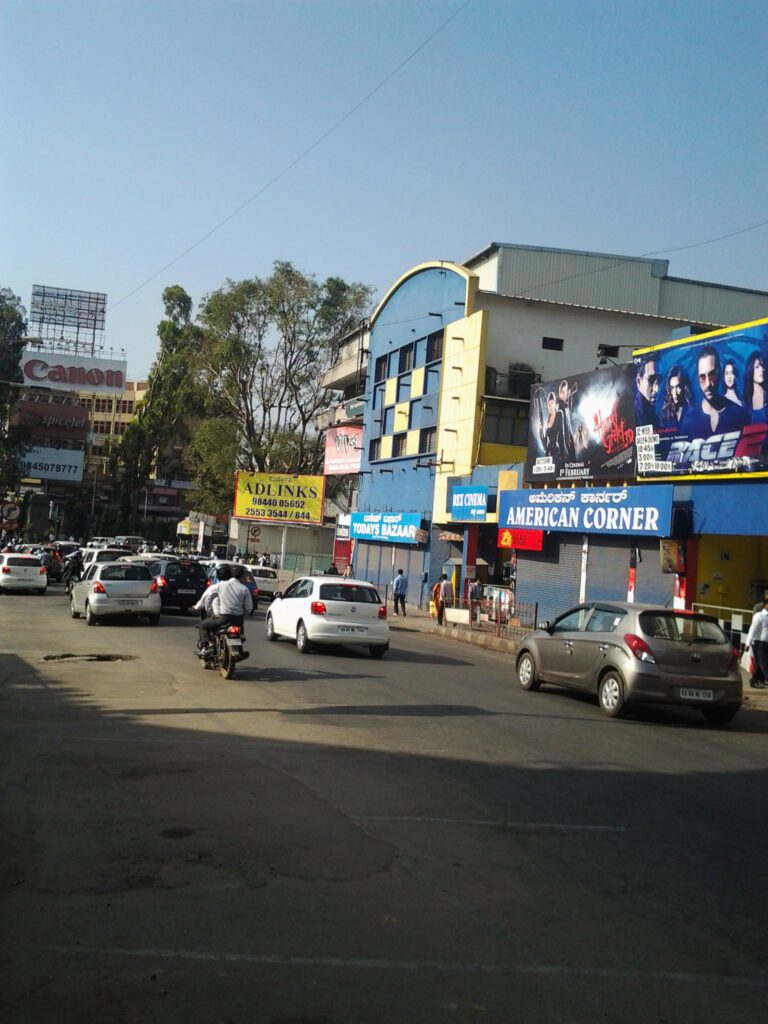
(395, 484)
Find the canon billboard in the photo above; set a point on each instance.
(73, 373)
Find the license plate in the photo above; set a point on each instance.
(185, 591)
(129, 604)
(353, 629)
(689, 694)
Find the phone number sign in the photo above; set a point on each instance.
(279, 498)
(53, 464)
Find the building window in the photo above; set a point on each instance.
(428, 440)
(405, 361)
(552, 344)
(399, 445)
(381, 368)
(435, 347)
(612, 351)
(374, 450)
(432, 381)
(378, 396)
(414, 414)
(404, 389)
(505, 423)
(389, 420)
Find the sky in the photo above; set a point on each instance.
(133, 129)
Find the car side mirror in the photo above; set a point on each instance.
(545, 624)
(278, 593)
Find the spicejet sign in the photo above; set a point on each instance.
(100, 376)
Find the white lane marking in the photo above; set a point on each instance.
(522, 826)
(277, 960)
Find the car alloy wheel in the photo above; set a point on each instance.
(271, 634)
(72, 612)
(90, 618)
(610, 694)
(526, 672)
(302, 640)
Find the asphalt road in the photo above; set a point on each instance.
(329, 839)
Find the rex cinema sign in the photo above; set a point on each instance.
(66, 372)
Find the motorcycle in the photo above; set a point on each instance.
(224, 650)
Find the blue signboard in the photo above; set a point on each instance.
(469, 504)
(391, 527)
(635, 511)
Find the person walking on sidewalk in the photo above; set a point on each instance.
(757, 639)
(400, 589)
(444, 597)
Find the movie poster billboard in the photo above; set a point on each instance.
(343, 450)
(701, 405)
(582, 428)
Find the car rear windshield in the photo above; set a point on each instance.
(23, 561)
(349, 592)
(185, 571)
(111, 555)
(128, 571)
(685, 628)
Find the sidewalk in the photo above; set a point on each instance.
(416, 621)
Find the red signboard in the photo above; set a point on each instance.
(53, 419)
(521, 540)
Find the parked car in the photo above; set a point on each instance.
(180, 582)
(22, 572)
(115, 588)
(266, 580)
(633, 653)
(329, 610)
(248, 579)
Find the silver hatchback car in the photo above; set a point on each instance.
(116, 588)
(634, 653)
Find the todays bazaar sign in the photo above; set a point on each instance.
(392, 527)
(637, 511)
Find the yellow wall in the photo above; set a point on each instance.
(386, 447)
(461, 387)
(390, 391)
(412, 442)
(417, 382)
(402, 412)
(746, 563)
(495, 454)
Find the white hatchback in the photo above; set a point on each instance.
(22, 572)
(266, 579)
(329, 610)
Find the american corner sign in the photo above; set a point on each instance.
(634, 511)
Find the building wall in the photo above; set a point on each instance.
(728, 570)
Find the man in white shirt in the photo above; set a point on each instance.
(229, 600)
(757, 639)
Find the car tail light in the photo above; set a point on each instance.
(98, 588)
(234, 631)
(734, 657)
(318, 608)
(6, 571)
(43, 570)
(162, 581)
(153, 587)
(382, 611)
(639, 648)
(208, 583)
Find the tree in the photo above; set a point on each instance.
(13, 439)
(211, 458)
(265, 347)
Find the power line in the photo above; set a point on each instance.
(320, 139)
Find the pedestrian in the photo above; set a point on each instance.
(400, 589)
(757, 639)
(475, 599)
(332, 570)
(46, 560)
(349, 572)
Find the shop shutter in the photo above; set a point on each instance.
(608, 569)
(551, 577)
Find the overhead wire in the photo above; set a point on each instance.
(289, 166)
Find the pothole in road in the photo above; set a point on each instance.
(89, 657)
(177, 833)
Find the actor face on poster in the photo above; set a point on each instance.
(581, 427)
(710, 412)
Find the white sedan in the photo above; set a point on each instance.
(116, 588)
(329, 610)
(22, 572)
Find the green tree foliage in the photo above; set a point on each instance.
(153, 442)
(265, 347)
(211, 458)
(13, 439)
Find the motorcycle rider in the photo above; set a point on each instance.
(73, 569)
(230, 601)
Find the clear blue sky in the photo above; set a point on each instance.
(130, 129)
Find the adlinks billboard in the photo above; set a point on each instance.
(279, 498)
